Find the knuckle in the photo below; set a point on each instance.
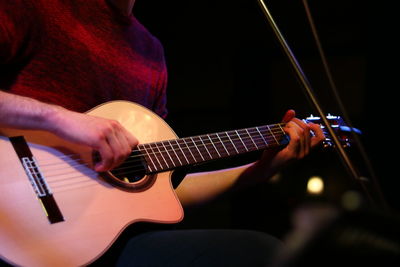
(110, 126)
(98, 138)
(106, 129)
(290, 124)
(114, 124)
(295, 138)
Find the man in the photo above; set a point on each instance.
(62, 57)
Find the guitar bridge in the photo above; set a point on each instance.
(37, 180)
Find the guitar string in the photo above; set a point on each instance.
(203, 148)
(94, 181)
(245, 139)
(274, 131)
(77, 184)
(132, 169)
(138, 158)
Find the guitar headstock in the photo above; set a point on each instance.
(343, 132)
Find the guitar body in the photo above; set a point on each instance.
(94, 211)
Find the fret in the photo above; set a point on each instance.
(259, 138)
(180, 152)
(189, 148)
(176, 154)
(169, 156)
(267, 135)
(230, 140)
(197, 148)
(251, 138)
(165, 155)
(272, 134)
(283, 138)
(184, 148)
(247, 140)
(156, 156)
(162, 159)
(240, 138)
(262, 136)
(205, 146)
(222, 143)
(212, 143)
(148, 158)
(283, 131)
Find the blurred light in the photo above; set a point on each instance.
(351, 200)
(276, 178)
(315, 185)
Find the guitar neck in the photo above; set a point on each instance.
(171, 154)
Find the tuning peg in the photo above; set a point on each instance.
(332, 117)
(313, 118)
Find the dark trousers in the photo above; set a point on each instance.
(191, 248)
(202, 248)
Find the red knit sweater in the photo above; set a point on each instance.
(78, 54)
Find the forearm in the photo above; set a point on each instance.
(25, 113)
(108, 137)
(200, 188)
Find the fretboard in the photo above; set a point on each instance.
(171, 154)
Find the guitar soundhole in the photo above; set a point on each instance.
(132, 170)
(131, 175)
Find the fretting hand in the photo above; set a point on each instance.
(300, 144)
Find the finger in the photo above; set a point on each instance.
(295, 145)
(128, 142)
(123, 142)
(289, 115)
(119, 146)
(106, 157)
(319, 135)
(132, 140)
(305, 136)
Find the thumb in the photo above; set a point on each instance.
(290, 114)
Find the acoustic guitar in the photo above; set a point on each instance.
(55, 210)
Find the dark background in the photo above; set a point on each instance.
(226, 71)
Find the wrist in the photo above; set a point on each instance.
(254, 174)
(51, 118)
(262, 171)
